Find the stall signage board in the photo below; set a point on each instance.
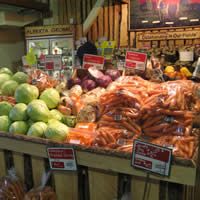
(93, 61)
(151, 158)
(62, 158)
(53, 62)
(136, 60)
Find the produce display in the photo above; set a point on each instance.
(109, 113)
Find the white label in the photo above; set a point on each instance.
(186, 56)
(118, 117)
(62, 158)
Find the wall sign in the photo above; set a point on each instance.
(136, 60)
(151, 158)
(53, 62)
(49, 30)
(62, 158)
(93, 61)
(172, 35)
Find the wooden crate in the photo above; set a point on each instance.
(101, 174)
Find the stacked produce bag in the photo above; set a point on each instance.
(101, 109)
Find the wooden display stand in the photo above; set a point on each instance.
(103, 172)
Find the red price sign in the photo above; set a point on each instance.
(151, 157)
(136, 60)
(62, 158)
(93, 61)
(49, 65)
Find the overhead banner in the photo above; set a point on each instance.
(33, 31)
(169, 35)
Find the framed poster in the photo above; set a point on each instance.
(150, 14)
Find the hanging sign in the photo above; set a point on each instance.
(33, 31)
(62, 158)
(93, 61)
(151, 158)
(53, 62)
(136, 60)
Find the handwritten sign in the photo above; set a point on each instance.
(151, 157)
(169, 35)
(136, 60)
(62, 158)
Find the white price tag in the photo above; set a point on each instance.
(62, 158)
(53, 62)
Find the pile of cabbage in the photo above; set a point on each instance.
(34, 114)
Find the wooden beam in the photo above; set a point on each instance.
(92, 16)
(26, 4)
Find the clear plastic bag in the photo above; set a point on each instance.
(43, 192)
(11, 187)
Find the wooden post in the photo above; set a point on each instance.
(19, 164)
(124, 26)
(38, 167)
(103, 185)
(138, 187)
(66, 184)
(92, 16)
(111, 19)
(2, 164)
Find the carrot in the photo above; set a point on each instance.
(129, 127)
(137, 127)
(191, 149)
(188, 131)
(188, 139)
(187, 122)
(156, 128)
(111, 138)
(151, 121)
(103, 141)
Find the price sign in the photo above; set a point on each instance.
(62, 158)
(136, 60)
(53, 62)
(151, 158)
(93, 61)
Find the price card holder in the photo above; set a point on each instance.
(53, 62)
(62, 158)
(93, 61)
(136, 60)
(151, 158)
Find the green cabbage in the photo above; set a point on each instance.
(37, 129)
(19, 127)
(38, 111)
(51, 97)
(5, 108)
(5, 70)
(20, 77)
(9, 87)
(56, 114)
(26, 93)
(4, 123)
(56, 131)
(19, 112)
(4, 78)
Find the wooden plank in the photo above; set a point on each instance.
(163, 43)
(155, 43)
(138, 188)
(88, 11)
(179, 174)
(18, 159)
(102, 185)
(124, 25)
(116, 23)
(84, 8)
(3, 170)
(94, 26)
(111, 20)
(78, 12)
(69, 10)
(106, 27)
(38, 168)
(66, 184)
(73, 8)
(32, 4)
(132, 39)
(147, 43)
(179, 43)
(65, 16)
(139, 44)
(188, 42)
(93, 15)
(79, 32)
(100, 23)
(196, 41)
